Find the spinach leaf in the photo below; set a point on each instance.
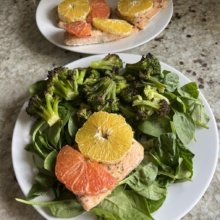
(54, 134)
(36, 190)
(50, 160)
(143, 181)
(60, 209)
(189, 90)
(171, 80)
(144, 175)
(155, 204)
(173, 159)
(72, 125)
(185, 127)
(199, 115)
(123, 205)
(36, 145)
(43, 182)
(154, 191)
(184, 170)
(179, 105)
(155, 126)
(65, 208)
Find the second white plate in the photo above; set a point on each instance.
(47, 24)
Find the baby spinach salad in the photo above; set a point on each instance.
(164, 117)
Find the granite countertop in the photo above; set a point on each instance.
(191, 44)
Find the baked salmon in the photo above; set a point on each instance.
(119, 171)
(142, 20)
(92, 181)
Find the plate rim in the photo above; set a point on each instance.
(83, 49)
(98, 56)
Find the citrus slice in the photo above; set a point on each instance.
(78, 28)
(134, 8)
(99, 9)
(82, 176)
(113, 26)
(105, 137)
(73, 10)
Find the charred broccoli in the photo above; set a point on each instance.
(102, 95)
(83, 113)
(44, 106)
(92, 77)
(121, 83)
(111, 62)
(151, 102)
(128, 93)
(148, 64)
(64, 82)
(147, 71)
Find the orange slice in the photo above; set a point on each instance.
(113, 26)
(105, 137)
(81, 176)
(134, 8)
(73, 10)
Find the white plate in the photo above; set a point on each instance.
(181, 197)
(46, 22)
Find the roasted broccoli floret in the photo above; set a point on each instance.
(128, 94)
(92, 77)
(79, 75)
(44, 106)
(102, 95)
(64, 82)
(151, 102)
(164, 108)
(111, 62)
(151, 93)
(148, 64)
(83, 113)
(121, 83)
(147, 71)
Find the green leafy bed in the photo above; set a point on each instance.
(163, 115)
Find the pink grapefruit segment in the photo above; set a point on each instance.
(82, 176)
(78, 28)
(99, 9)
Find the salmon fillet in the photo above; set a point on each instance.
(119, 171)
(95, 38)
(142, 20)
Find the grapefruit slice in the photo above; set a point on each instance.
(99, 9)
(105, 137)
(82, 176)
(78, 28)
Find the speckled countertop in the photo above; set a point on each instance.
(191, 43)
